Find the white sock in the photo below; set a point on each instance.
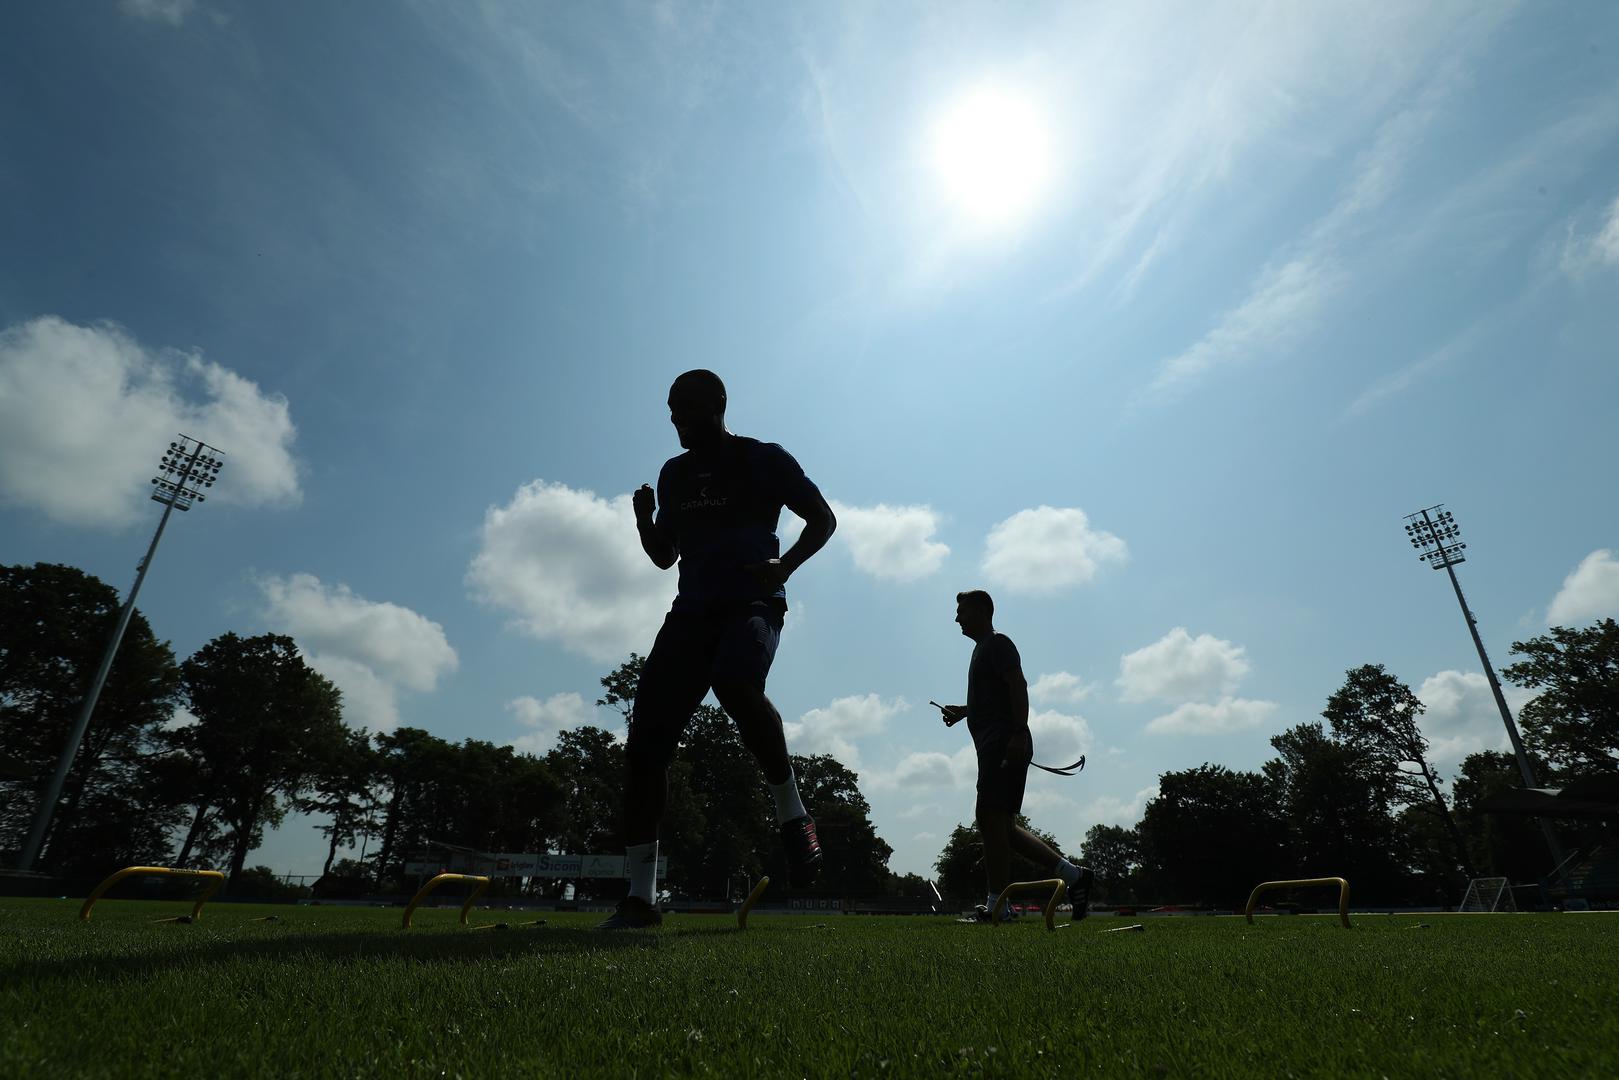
(788, 804)
(643, 865)
(1066, 870)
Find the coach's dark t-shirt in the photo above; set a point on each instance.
(720, 507)
(989, 696)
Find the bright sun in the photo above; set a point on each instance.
(991, 149)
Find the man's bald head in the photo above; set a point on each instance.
(697, 408)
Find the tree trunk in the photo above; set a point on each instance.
(1450, 822)
(241, 844)
(385, 851)
(331, 850)
(194, 833)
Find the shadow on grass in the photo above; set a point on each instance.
(281, 943)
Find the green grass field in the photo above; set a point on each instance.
(345, 992)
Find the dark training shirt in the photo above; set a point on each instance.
(989, 695)
(720, 507)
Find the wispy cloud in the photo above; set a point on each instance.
(1584, 252)
(1289, 297)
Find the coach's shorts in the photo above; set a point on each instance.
(1000, 780)
(693, 652)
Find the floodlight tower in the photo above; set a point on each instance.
(1436, 535)
(190, 467)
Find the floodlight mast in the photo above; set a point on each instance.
(1434, 532)
(187, 473)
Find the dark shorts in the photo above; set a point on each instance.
(1001, 785)
(693, 652)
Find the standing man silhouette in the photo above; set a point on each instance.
(715, 512)
(997, 715)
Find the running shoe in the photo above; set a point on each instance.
(803, 850)
(632, 913)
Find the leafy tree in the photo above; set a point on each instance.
(720, 825)
(265, 719)
(473, 794)
(960, 865)
(407, 760)
(1113, 853)
(1210, 835)
(1335, 799)
(719, 778)
(1574, 719)
(55, 622)
(1508, 846)
(343, 786)
(856, 857)
(588, 763)
(1376, 713)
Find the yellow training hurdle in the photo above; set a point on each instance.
(1057, 886)
(214, 878)
(747, 905)
(482, 883)
(1266, 886)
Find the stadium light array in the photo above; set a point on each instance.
(1437, 539)
(190, 467)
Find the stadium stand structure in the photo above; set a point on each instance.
(1590, 804)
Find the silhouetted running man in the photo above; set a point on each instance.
(716, 511)
(997, 715)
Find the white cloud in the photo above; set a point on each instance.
(832, 730)
(1462, 717)
(557, 713)
(172, 12)
(85, 413)
(370, 649)
(1059, 739)
(924, 769)
(1059, 688)
(1048, 548)
(1178, 667)
(1590, 592)
(1229, 714)
(893, 542)
(1112, 810)
(569, 566)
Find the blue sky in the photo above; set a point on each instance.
(1153, 321)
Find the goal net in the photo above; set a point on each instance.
(1488, 894)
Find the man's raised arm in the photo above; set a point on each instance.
(658, 547)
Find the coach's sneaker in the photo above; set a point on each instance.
(803, 850)
(632, 913)
(1079, 893)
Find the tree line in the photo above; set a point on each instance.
(188, 762)
(1358, 796)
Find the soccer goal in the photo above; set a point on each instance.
(1488, 894)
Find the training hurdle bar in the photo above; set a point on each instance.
(482, 883)
(214, 878)
(1057, 886)
(747, 905)
(1266, 886)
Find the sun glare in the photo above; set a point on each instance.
(991, 149)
